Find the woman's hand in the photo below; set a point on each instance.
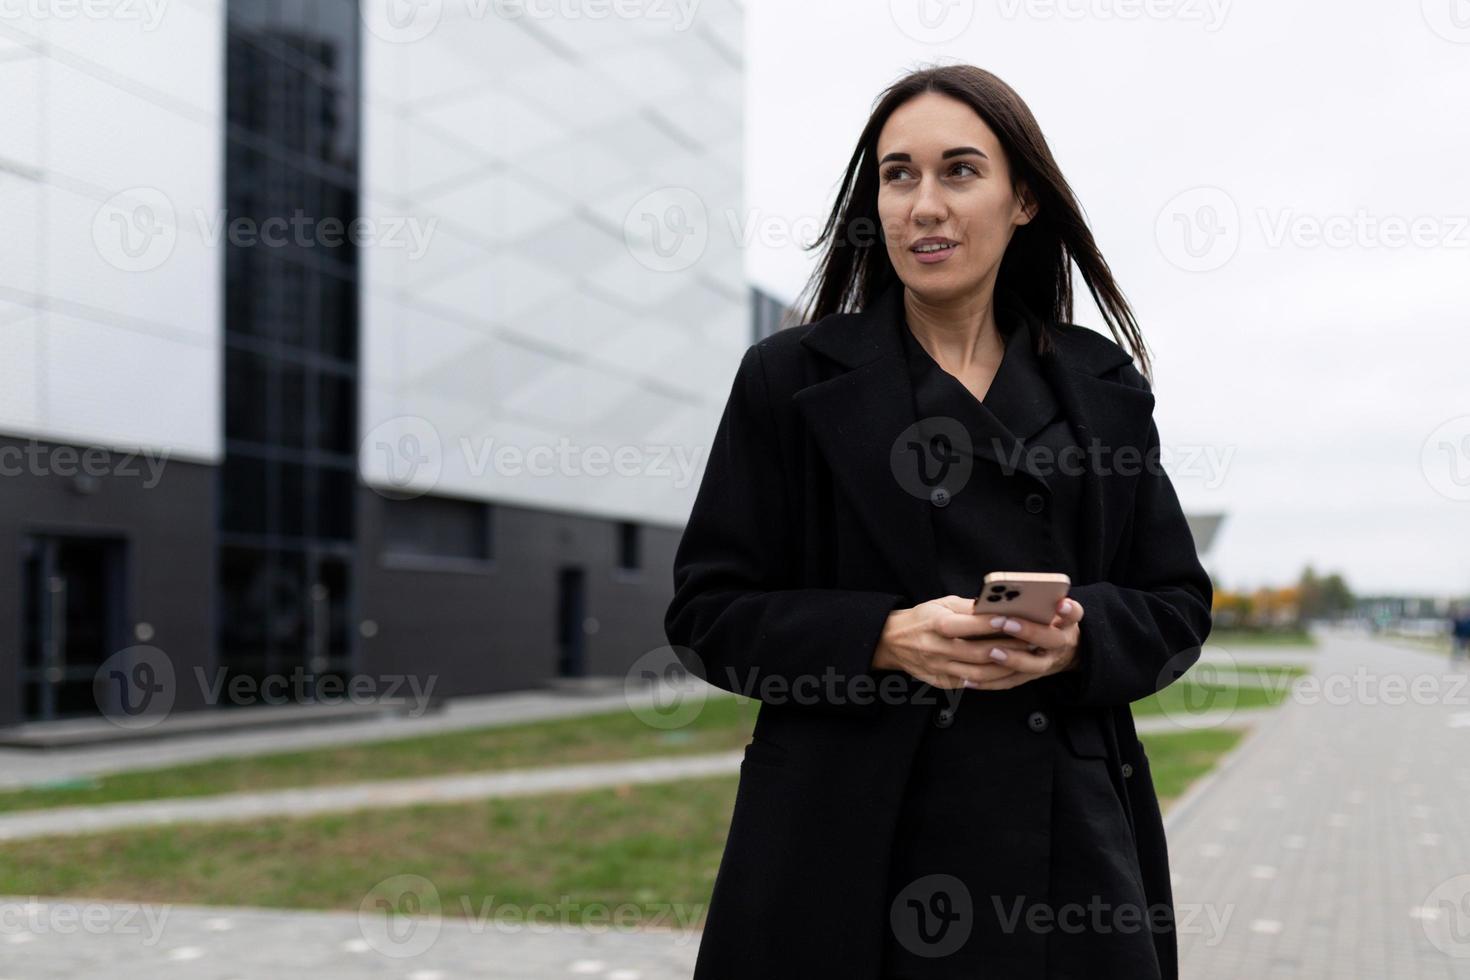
(933, 642)
(1047, 649)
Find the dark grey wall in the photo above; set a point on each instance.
(494, 627)
(475, 629)
(168, 527)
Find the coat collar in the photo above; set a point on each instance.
(858, 420)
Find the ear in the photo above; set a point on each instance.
(1029, 207)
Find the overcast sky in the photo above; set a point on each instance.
(1311, 354)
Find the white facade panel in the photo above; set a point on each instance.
(567, 338)
(111, 147)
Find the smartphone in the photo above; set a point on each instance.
(1024, 595)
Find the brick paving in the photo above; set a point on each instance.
(1335, 842)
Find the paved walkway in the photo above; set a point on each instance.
(132, 942)
(1335, 842)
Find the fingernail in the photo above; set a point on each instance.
(996, 653)
(1066, 605)
(967, 683)
(1011, 626)
(997, 621)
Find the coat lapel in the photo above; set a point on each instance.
(857, 416)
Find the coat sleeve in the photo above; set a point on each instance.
(1143, 627)
(738, 618)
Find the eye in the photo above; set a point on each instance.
(893, 173)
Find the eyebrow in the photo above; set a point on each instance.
(957, 151)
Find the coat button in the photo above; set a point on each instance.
(1037, 720)
(1035, 502)
(944, 717)
(1127, 769)
(939, 496)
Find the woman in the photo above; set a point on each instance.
(918, 802)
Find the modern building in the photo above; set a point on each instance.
(333, 343)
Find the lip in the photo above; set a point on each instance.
(929, 258)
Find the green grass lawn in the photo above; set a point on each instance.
(654, 847)
(1260, 638)
(1199, 691)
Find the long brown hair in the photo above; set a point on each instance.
(1037, 262)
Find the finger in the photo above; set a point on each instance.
(1028, 630)
(1070, 611)
(963, 624)
(977, 651)
(1015, 679)
(975, 674)
(1022, 662)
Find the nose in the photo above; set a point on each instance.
(929, 204)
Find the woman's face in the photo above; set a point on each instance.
(942, 175)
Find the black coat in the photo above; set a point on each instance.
(800, 543)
